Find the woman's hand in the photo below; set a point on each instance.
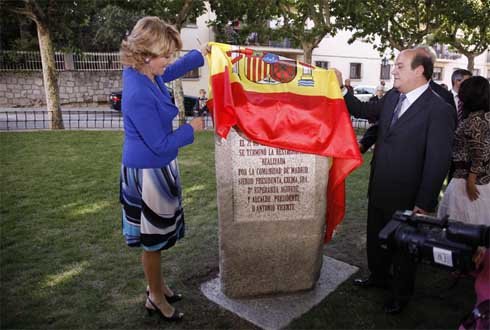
(205, 49)
(197, 124)
(479, 256)
(471, 189)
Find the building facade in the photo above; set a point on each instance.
(357, 61)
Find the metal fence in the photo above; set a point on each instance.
(22, 120)
(31, 61)
(26, 61)
(97, 62)
(73, 119)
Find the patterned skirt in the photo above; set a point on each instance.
(152, 214)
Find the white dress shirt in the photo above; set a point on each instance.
(412, 96)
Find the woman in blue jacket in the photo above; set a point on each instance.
(151, 193)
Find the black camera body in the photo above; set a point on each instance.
(441, 242)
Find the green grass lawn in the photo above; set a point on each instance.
(64, 263)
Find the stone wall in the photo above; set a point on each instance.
(21, 89)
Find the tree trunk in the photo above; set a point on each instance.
(179, 96)
(307, 51)
(49, 76)
(471, 62)
(179, 99)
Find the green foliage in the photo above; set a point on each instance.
(399, 24)
(466, 29)
(88, 25)
(252, 18)
(177, 12)
(111, 24)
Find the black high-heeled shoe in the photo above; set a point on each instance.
(176, 315)
(171, 299)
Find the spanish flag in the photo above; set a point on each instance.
(285, 104)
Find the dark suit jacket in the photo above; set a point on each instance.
(412, 158)
(369, 137)
(443, 93)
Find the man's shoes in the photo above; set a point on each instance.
(370, 282)
(394, 306)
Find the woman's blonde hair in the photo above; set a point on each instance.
(150, 37)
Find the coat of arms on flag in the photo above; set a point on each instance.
(264, 67)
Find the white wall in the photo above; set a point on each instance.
(190, 36)
(340, 54)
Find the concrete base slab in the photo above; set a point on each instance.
(278, 311)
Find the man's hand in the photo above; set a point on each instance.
(479, 256)
(362, 149)
(418, 210)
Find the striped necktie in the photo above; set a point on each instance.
(398, 108)
(460, 110)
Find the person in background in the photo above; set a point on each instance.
(348, 86)
(379, 93)
(150, 186)
(412, 155)
(443, 85)
(382, 85)
(467, 197)
(371, 134)
(200, 108)
(457, 79)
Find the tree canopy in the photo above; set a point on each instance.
(99, 25)
(464, 25)
(307, 22)
(88, 25)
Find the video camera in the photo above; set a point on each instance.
(441, 242)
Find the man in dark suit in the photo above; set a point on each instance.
(411, 159)
(370, 136)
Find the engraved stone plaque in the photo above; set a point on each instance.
(271, 207)
(270, 184)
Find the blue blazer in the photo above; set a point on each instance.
(411, 159)
(148, 112)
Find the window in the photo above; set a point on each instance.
(437, 74)
(476, 72)
(355, 71)
(193, 74)
(385, 71)
(321, 64)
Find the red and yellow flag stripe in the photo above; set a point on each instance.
(305, 115)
